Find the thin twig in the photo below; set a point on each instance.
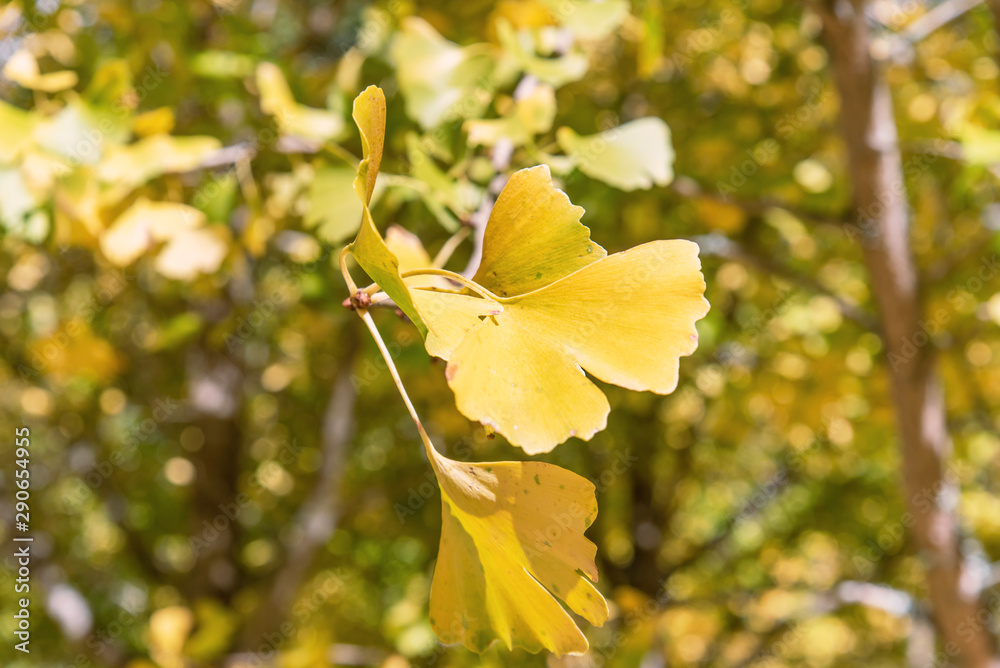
(937, 18)
(721, 246)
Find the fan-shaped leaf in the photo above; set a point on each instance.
(568, 308)
(632, 156)
(511, 543)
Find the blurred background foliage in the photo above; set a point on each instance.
(222, 470)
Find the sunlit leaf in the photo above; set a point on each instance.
(152, 156)
(145, 223)
(369, 249)
(625, 319)
(293, 119)
(530, 116)
(635, 155)
(22, 68)
(591, 19)
(439, 79)
(512, 543)
(519, 46)
(193, 252)
(80, 132)
(450, 317)
(15, 132)
(534, 236)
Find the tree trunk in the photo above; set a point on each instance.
(882, 224)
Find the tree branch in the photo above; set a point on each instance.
(690, 189)
(724, 247)
(938, 17)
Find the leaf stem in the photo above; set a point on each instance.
(351, 286)
(342, 153)
(458, 278)
(428, 446)
(449, 246)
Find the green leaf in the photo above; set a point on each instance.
(15, 132)
(294, 119)
(442, 194)
(519, 46)
(334, 210)
(530, 116)
(589, 19)
(635, 155)
(440, 80)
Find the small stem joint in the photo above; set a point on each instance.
(359, 301)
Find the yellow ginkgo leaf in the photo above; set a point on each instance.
(369, 249)
(635, 155)
(438, 78)
(519, 47)
(512, 542)
(531, 116)
(534, 236)
(293, 119)
(567, 308)
(22, 68)
(450, 317)
(411, 254)
(145, 223)
(193, 252)
(152, 156)
(333, 209)
(590, 19)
